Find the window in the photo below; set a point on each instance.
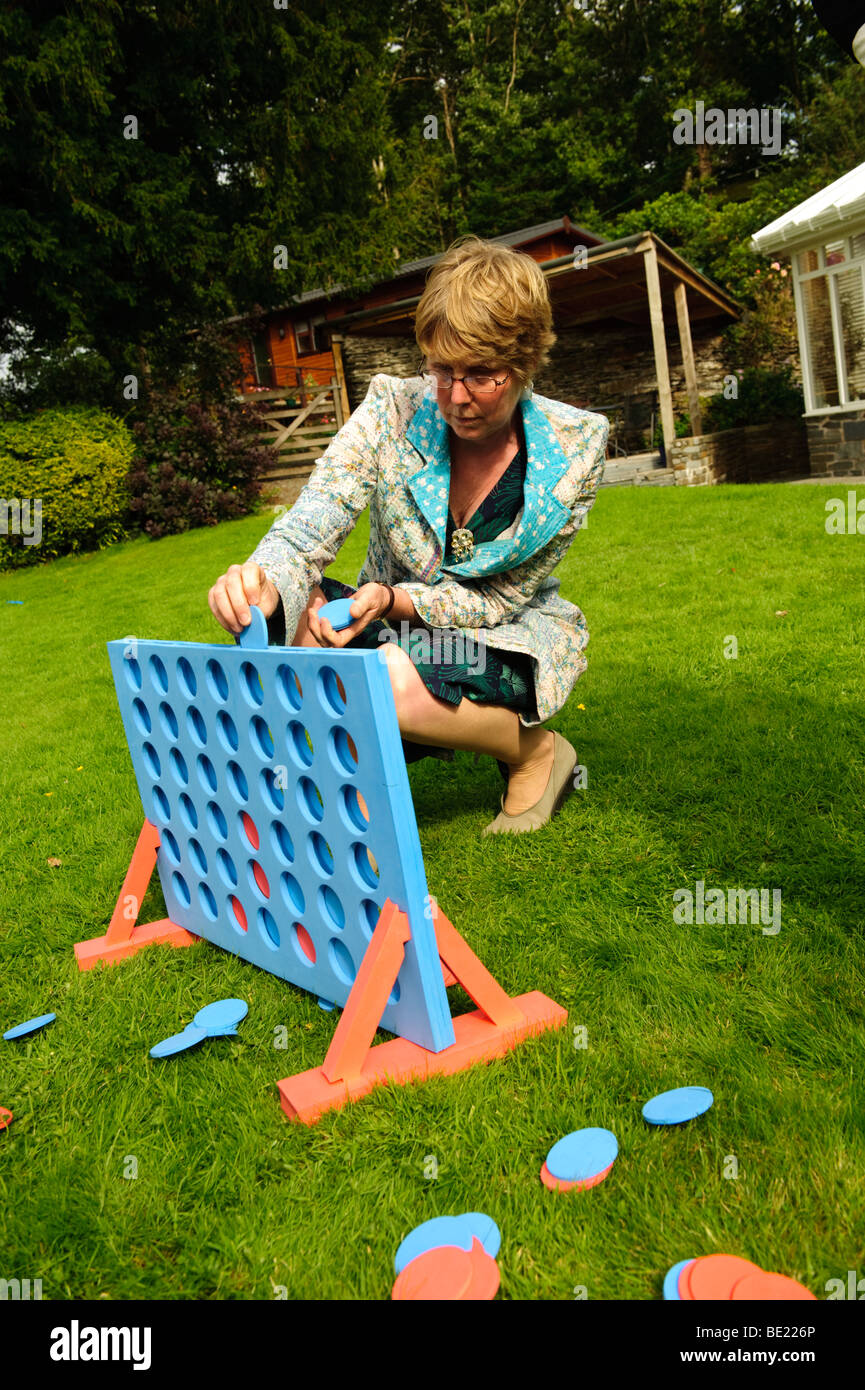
(829, 284)
(311, 335)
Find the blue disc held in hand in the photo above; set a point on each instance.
(336, 613)
(222, 1016)
(30, 1026)
(676, 1107)
(178, 1042)
(582, 1155)
(671, 1281)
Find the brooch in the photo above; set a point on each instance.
(463, 543)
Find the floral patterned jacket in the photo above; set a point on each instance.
(393, 455)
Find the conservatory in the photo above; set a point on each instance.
(824, 237)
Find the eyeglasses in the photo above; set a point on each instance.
(479, 385)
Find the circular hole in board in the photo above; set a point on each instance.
(302, 943)
(225, 868)
(299, 744)
(368, 915)
(168, 720)
(216, 822)
(208, 902)
(227, 732)
(250, 684)
(196, 854)
(151, 760)
(309, 799)
(217, 681)
(237, 783)
(158, 675)
(331, 691)
(141, 714)
(351, 810)
(341, 962)
(236, 914)
(363, 866)
(178, 883)
(132, 671)
(161, 805)
(293, 894)
(186, 678)
(170, 845)
(258, 878)
(331, 908)
(178, 767)
(248, 833)
(343, 751)
(320, 853)
(282, 842)
(188, 813)
(272, 790)
(288, 688)
(206, 773)
(261, 738)
(196, 726)
(268, 929)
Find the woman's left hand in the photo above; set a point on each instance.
(368, 603)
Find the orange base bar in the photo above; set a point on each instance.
(309, 1095)
(163, 933)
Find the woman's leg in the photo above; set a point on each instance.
(470, 725)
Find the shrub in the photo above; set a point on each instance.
(763, 395)
(74, 463)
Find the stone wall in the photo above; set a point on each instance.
(836, 444)
(747, 454)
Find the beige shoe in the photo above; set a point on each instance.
(564, 762)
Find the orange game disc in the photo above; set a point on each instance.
(444, 1273)
(712, 1277)
(773, 1287)
(561, 1185)
(6, 1117)
(485, 1278)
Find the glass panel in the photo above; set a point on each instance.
(818, 331)
(852, 304)
(835, 251)
(857, 245)
(808, 260)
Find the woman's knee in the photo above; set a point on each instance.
(407, 686)
(302, 636)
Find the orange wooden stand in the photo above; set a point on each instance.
(123, 938)
(352, 1068)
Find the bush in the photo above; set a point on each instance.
(762, 395)
(73, 463)
(196, 464)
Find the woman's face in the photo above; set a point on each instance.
(479, 416)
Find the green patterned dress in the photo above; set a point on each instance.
(491, 677)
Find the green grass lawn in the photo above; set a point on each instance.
(744, 772)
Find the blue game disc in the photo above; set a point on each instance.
(179, 1042)
(439, 1230)
(30, 1026)
(336, 613)
(221, 1016)
(485, 1229)
(675, 1107)
(582, 1155)
(671, 1281)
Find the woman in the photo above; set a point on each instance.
(476, 490)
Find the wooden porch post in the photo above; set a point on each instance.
(659, 343)
(688, 358)
(336, 347)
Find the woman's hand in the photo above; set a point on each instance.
(369, 603)
(235, 590)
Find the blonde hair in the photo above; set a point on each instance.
(485, 302)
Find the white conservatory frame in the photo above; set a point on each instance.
(831, 272)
